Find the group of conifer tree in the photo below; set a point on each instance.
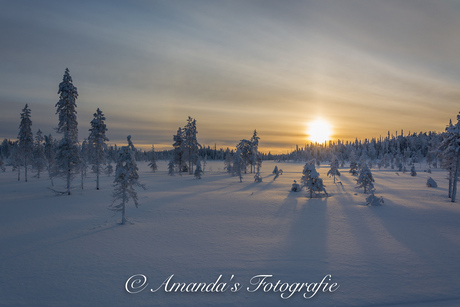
(67, 157)
(245, 155)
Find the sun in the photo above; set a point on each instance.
(319, 131)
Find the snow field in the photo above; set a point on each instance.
(71, 251)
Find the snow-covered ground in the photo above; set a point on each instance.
(71, 251)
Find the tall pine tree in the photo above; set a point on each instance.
(25, 138)
(67, 155)
(178, 150)
(190, 145)
(97, 139)
(39, 153)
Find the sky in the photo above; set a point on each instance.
(366, 67)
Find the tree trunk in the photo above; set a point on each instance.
(97, 172)
(450, 182)
(454, 188)
(68, 178)
(82, 175)
(98, 167)
(49, 174)
(25, 169)
(123, 218)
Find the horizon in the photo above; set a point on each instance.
(364, 68)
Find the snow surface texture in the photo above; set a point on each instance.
(71, 251)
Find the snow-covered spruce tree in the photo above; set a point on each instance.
(228, 161)
(311, 181)
(5, 148)
(25, 139)
(334, 171)
(238, 165)
(365, 180)
(431, 183)
(246, 151)
(67, 153)
(450, 153)
(447, 156)
(50, 156)
(190, 144)
(353, 168)
(39, 153)
(413, 173)
(171, 166)
(295, 187)
(126, 179)
(178, 151)
(153, 160)
(373, 200)
(258, 165)
(16, 159)
(96, 140)
(198, 171)
(255, 158)
(277, 172)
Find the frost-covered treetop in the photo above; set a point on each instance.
(98, 128)
(66, 86)
(25, 131)
(255, 139)
(66, 108)
(451, 141)
(454, 129)
(310, 169)
(366, 172)
(130, 143)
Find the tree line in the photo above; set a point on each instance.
(68, 157)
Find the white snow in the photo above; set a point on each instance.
(71, 251)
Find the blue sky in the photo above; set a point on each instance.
(364, 66)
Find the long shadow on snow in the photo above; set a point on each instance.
(423, 235)
(256, 186)
(417, 231)
(302, 254)
(45, 246)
